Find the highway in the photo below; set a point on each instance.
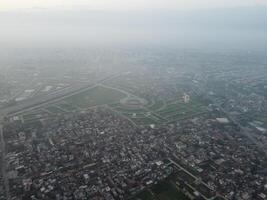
(40, 101)
(3, 161)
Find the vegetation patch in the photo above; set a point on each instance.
(95, 96)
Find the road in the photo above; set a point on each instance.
(196, 178)
(33, 103)
(243, 130)
(37, 102)
(128, 95)
(3, 161)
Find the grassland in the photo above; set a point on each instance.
(95, 96)
(54, 109)
(66, 107)
(140, 116)
(178, 110)
(158, 111)
(155, 111)
(35, 115)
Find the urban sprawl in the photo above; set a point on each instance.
(175, 127)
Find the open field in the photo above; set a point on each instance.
(160, 112)
(54, 109)
(179, 110)
(262, 119)
(140, 116)
(35, 115)
(95, 96)
(156, 105)
(66, 107)
(153, 111)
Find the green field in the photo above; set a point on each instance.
(30, 116)
(66, 107)
(34, 115)
(95, 96)
(158, 112)
(178, 110)
(155, 111)
(262, 119)
(92, 97)
(54, 109)
(156, 105)
(164, 109)
(122, 109)
(141, 116)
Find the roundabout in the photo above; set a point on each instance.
(133, 102)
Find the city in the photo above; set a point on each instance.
(133, 100)
(126, 133)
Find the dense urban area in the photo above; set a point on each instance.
(149, 124)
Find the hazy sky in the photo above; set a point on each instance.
(184, 23)
(124, 4)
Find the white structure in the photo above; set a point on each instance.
(222, 120)
(186, 98)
